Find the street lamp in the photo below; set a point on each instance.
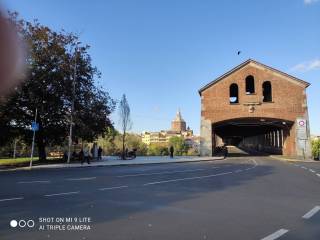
(72, 101)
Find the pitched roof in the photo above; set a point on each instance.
(244, 64)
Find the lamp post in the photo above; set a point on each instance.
(72, 101)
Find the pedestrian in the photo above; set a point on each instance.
(86, 155)
(81, 156)
(171, 151)
(99, 153)
(225, 151)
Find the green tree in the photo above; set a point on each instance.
(316, 148)
(51, 62)
(158, 149)
(180, 148)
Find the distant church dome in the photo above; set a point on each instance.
(178, 124)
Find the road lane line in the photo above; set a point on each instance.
(61, 194)
(80, 179)
(24, 182)
(312, 212)
(303, 167)
(110, 188)
(311, 170)
(318, 174)
(184, 179)
(159, 173)
(276, 234)
(11, 199)
(238, 170)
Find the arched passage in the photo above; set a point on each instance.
(259, 134)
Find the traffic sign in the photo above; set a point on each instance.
(35, 126)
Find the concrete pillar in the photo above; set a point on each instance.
(206, 137)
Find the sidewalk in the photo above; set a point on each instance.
(288, 159)
(115, 161)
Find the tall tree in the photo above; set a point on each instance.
(125, 121)
(48, 87)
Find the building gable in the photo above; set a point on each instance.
(260, 66)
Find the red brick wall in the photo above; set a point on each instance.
(288, 99)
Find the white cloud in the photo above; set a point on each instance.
(307, 66)
(310, 1)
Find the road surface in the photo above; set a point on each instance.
(242, 197)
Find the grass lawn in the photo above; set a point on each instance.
(14, 161)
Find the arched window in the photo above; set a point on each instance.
(250, 85)
(234, 93)
(267, 91)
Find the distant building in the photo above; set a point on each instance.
(178, 129)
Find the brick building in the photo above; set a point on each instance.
(255, 106)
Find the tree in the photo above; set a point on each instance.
(125, 121)
(50, 64)
(316, 148)
(180, 148)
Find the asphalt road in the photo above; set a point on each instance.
(247, 197)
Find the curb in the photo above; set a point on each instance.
(104, 165)
(292, 160)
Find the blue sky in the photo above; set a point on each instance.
(160, 52)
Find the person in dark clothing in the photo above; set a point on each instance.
(81, 156)
(99, 153)
(171, 151)
(225, 151)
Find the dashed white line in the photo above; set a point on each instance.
(110, 188)
(237, 171)
(25, 182)
(312, 212)
(11, 199)
(303, 167)
(61, 194)
(311, 170)
(184, 179)
(159, 173)
(318, 174)
(276, 234)
(80, 179)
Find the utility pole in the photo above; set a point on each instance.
(72, 102)
(33, 138)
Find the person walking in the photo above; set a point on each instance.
(99, 153)
(81, 156)
(171, 151)
(86, 155)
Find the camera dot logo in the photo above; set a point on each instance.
(22, 223)
(13, 223)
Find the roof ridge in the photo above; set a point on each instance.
(249, 60)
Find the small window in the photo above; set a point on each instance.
(250, 85)
(267, 91)
(234, 93)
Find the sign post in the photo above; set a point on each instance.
(302, 135)
(35, 127)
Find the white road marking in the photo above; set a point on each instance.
(318, 174)
(60, 194)
(110, 188)
(296, 165)
(80, 179)
(237, 171)
(184, 179)
(23, 182)
(159, 173)
(312, 212)
(276, 234)
(11, 199)
(303, 167)
(311, 170)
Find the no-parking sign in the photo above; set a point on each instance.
(302, 128)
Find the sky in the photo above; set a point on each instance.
(160, 52)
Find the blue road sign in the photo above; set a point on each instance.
(35, 126)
